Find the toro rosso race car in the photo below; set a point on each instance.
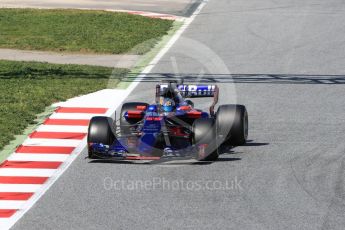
(170, 128)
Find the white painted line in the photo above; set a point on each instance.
(51, 142)
(106, 98)
(153, 13)
(12, 204)
(73, 115)
(19, 187)
(26, 172)
(62, 128)
(38, 157)
(148, 14)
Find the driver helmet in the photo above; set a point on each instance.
(168, 105)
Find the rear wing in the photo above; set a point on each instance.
(190, 91)
(193, 91)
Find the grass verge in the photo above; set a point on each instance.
(27, 88)
(79, 31)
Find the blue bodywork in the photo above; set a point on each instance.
(144, 143)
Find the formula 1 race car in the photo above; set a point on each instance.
(170, 128)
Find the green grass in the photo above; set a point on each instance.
(27, 88)
(79, 31)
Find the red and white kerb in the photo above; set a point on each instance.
(29, 169)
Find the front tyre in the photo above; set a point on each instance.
(204, 139)
(100, 131)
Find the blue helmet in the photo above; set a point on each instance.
(168, 105)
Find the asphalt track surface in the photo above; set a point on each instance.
(287, 59)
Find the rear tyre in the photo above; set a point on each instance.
(204, 135)
(127, 126)
(100, 131)
(232, 124)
